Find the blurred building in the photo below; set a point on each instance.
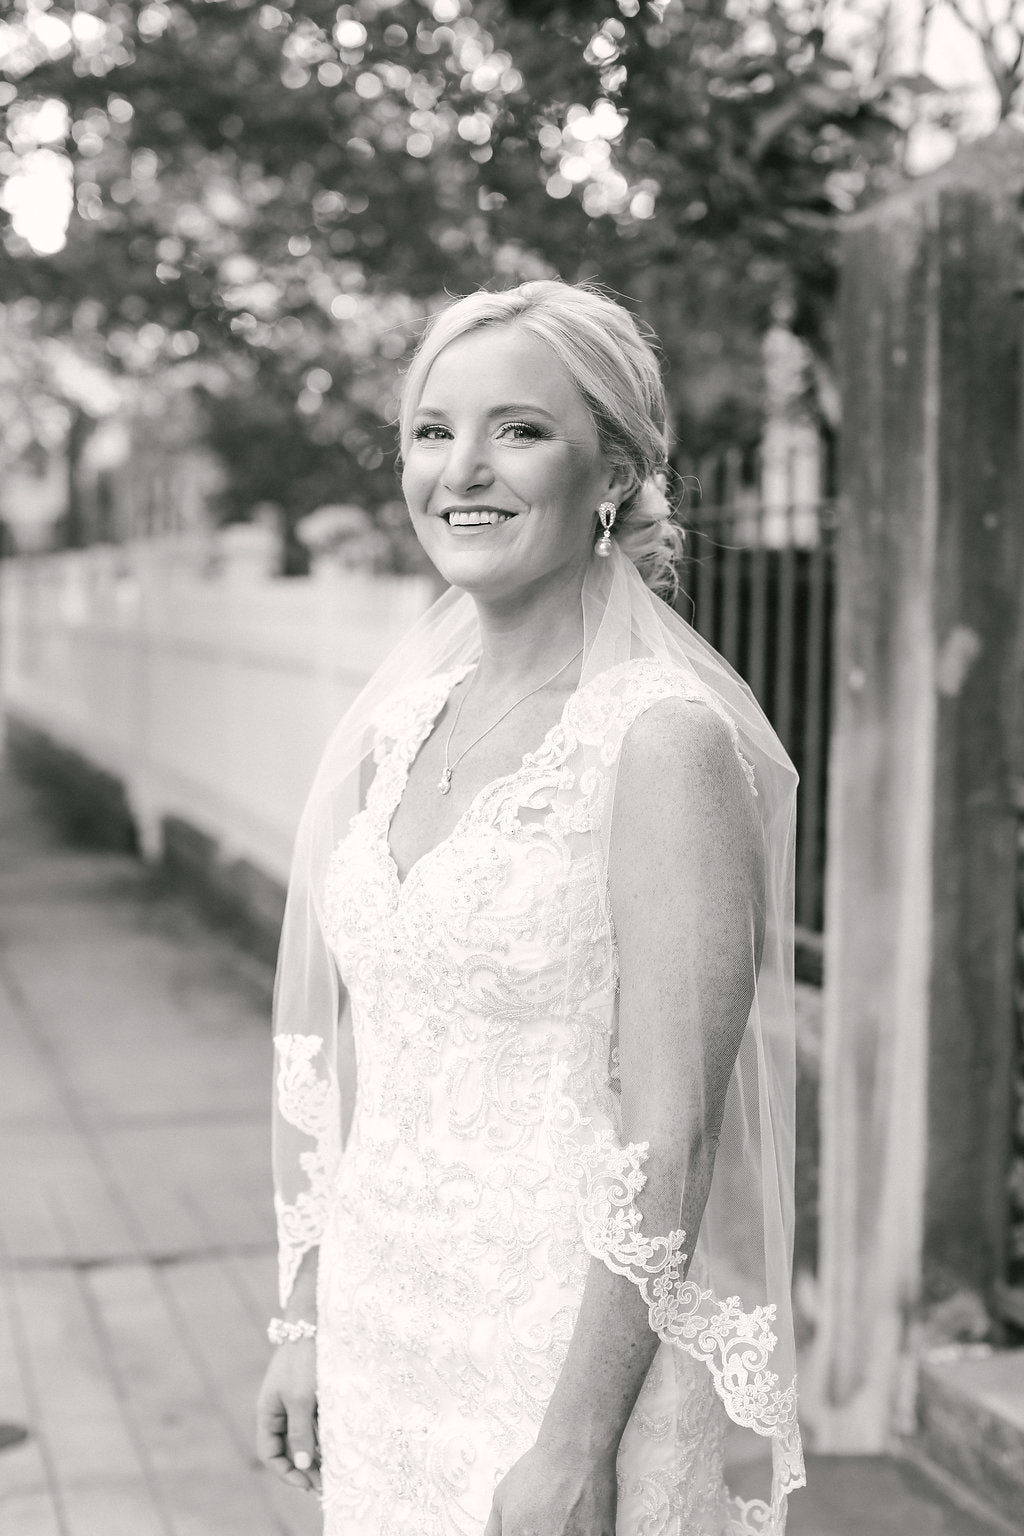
(87, 457)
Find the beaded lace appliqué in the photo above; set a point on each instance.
(736, 1346)
(308, 1101)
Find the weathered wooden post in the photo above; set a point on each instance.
(927, 758)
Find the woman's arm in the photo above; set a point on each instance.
(286, 1406)
(286, 1440)
(685, 881)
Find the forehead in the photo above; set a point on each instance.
(501, 364)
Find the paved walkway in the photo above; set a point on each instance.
(134, 1217)
(135, 1222)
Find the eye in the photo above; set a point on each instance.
(520, 431)
(430, 432)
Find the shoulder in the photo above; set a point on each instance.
(681, 777)
(678, 733)
(667, 723)
(685, 822)
(684, 792)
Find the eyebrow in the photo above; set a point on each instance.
(512, 408)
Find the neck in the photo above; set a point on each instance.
(524, 637)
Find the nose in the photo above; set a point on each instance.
(467, 466)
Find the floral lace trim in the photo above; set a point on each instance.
(598, 713)
(602, 711)
(756, 1517)
(734, 1345)
(308, 1101)
(404, 718)
(608, 1178)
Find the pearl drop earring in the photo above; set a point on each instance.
(606, 512)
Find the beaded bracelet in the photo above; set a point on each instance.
(280, 1332)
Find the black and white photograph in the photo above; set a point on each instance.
(512, 768)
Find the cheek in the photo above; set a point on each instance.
(571, 491)
(415, 484)
(558, 481)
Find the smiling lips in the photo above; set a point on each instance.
(474, 517)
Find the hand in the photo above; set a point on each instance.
(286, 1416)
(548, 1494)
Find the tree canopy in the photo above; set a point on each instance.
(275, 195)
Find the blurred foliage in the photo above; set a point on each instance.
(283, 191)
(999, 33)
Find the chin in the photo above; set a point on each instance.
(477, 575)
(471, 567)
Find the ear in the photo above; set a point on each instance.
(620, 482)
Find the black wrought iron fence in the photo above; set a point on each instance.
(1010, 1289)
(759, 584)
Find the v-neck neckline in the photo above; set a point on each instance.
(409, 755)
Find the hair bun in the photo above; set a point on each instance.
(650, 503)
(649, 534)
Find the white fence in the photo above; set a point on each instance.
(209, 699)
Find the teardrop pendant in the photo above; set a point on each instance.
(446, 782)
(606, 512)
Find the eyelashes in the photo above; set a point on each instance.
(527, 428)
(432, 431)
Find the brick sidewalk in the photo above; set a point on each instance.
(134, 1213)
(135, 1224)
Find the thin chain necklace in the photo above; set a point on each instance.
(445, 783)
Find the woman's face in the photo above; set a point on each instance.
(504, 472)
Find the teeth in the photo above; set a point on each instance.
(471, 519)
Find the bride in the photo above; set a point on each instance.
(534, 1029)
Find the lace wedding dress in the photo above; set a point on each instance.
(484, 1166)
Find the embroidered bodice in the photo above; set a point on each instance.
(485, 1166)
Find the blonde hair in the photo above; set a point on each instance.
(615, 368)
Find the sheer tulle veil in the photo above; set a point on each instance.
(730, 1306)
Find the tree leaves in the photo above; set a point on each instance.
(275, 188)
